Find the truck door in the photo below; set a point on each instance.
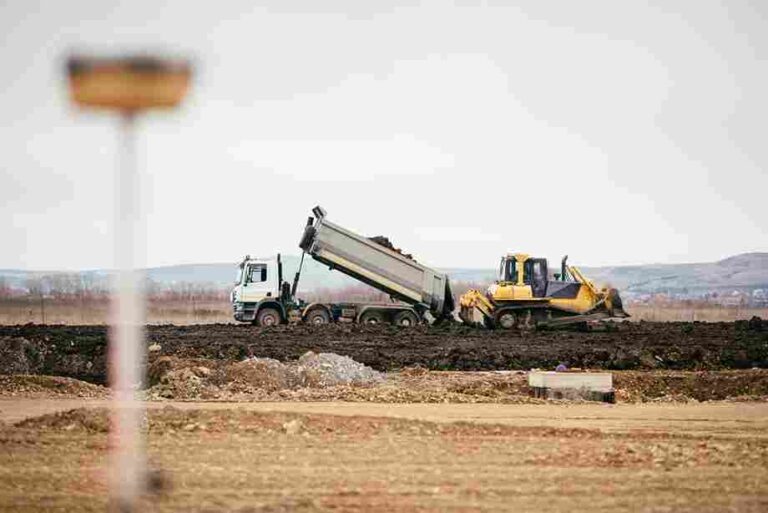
(536, 276)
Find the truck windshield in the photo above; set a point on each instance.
(239, 278)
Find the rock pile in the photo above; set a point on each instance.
(330, 369)
(178, 379)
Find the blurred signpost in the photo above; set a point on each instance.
(127, 85)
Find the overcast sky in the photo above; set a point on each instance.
(616, 132)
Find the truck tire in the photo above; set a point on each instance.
(268, 317)
(372, 317)
(406, 319)
(317, 316)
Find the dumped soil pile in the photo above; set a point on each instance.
(256, 378)
(49, 386)
(79, 351)
(747, 385)
(170, 420)
(328, 377)
(333, 378)
(381, 240)
(93, 420)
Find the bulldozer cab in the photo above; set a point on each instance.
(521, 270)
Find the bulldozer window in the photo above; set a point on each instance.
(509, 270)
(536, 276)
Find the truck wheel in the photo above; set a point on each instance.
(372, 317)
(406, 319)
(506, 320)
(317, 316)
(268, 317)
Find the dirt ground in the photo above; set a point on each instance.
(475, 442)
(80, 351)
(302, 457)
(418, 386)
(689, 431)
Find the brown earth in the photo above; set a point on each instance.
(49, 386)
(196, 379)
(80, 351)
(420, 451)
(225, 459)
(211, 380)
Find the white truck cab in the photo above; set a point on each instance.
(258, 285)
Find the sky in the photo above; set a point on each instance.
(616, 132)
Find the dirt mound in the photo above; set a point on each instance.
(184, 383)
(169, 419)
(49, 386)
(94, 420)
(633, 386)
(18, 355)
(256, 377)
(263, 373)
(79, 352)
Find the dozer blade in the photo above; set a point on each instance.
(614, 305)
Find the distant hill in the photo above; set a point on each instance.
(745, 271)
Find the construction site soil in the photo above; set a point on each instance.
(80, 351)
(289, 419)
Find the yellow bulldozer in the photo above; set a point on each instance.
(525, 296)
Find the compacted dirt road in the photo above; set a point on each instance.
(710, 418)
(391, 457)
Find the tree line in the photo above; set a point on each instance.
(81, 286)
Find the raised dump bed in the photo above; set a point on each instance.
(426, 290)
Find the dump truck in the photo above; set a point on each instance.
(418, 293)
(526, 296)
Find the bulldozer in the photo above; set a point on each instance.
(526, 296)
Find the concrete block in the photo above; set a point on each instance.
(593, 386)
